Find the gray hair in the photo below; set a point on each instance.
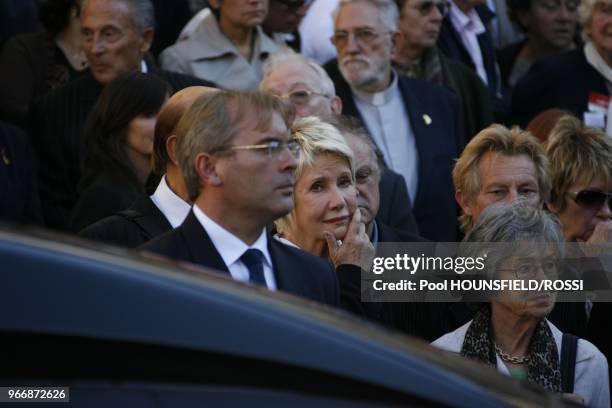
(387, 11)
(143, 13)
(514, 225)
(279, 59)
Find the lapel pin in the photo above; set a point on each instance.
(427, 119)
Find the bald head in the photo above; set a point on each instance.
(168, 118)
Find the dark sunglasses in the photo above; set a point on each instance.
(591, 199)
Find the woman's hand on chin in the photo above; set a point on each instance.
(355, 249)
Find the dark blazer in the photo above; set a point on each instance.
(56, 122)
(450, 43)
(395, 209)
(295, 271)
(477, 110)
(438, 145)
(130, 228)
(109, 193)
(30, 66)
(547, 86)
(19, 200)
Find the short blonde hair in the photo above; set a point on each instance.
(577, 154)
(497, 139)
(315, 137)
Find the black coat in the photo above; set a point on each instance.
(130, 228)
(563, 82)
(19, 200)
(394, 208)
(295, 271)
(438, 143)
(108, 193)
(56, 121)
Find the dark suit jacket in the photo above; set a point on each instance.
(438, 145)
(56, 122)
(19, 200)
(450, 43)
(547, 86)
(130, 228)
(295, 271)
(395, 209)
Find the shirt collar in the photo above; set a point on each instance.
(144, 68)
(229, 246)
(209, 42)
(382, 97)
(375, 234)
(466, 22)
(171, 205)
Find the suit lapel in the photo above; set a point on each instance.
(423, 123)
(199, 245)
(149, 218)
(286, 279)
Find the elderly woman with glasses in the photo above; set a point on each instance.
(418, 57)
(324, 220)
(581, 170)
(510, 331)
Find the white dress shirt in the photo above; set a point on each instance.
(469, 27)
(172, 206)
(231, 248)
(387, 121)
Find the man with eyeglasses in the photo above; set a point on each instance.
(417, 125)
(282, 21)
(418, 57)
(237, 158)
(303, 83)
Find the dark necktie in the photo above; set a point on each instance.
(253, 259)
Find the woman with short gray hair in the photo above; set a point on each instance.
(510, 331)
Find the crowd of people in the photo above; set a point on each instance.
(281, 141)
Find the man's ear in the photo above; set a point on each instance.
(463, 202)
(396, 42)
(147, 40)
(336, 105)
(552, 208)
(206, 169)
(171, 149)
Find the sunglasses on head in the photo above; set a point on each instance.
(592, 199)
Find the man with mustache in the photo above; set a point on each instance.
(417, 125)
(237, 158)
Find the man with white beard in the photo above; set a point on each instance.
(416, 124)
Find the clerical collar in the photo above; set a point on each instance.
(379, 98)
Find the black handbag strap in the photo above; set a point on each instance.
(569, 344)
